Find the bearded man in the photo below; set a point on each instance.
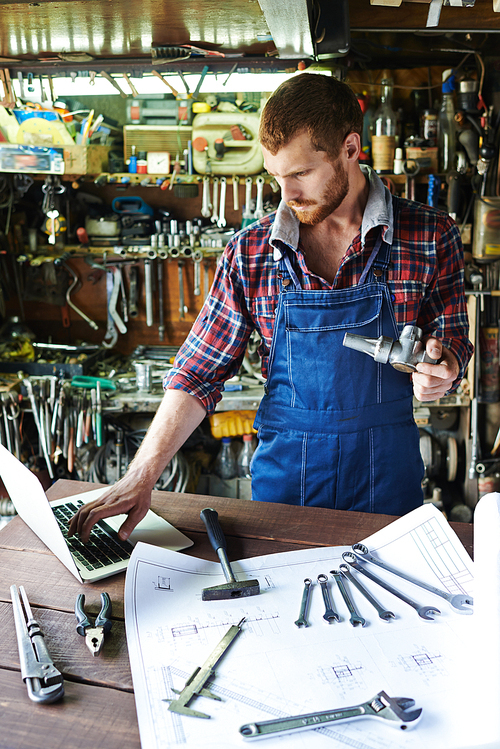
(340, 254)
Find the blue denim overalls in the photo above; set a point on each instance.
(335, 428)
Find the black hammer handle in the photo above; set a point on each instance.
(214, 530)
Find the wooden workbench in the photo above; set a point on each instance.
(98, 708)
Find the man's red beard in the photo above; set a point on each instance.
(336, 190)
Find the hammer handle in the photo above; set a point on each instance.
(214, 530)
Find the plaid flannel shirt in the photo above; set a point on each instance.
(425, 277)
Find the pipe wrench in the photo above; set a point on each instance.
(43, 681)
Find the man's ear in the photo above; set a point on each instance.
(352, 145)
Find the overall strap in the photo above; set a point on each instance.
(286, 263)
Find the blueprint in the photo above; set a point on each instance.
(274, 669)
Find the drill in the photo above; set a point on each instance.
(404, 354)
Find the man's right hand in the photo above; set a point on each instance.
(126, 497)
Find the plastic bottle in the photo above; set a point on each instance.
(132, 163)
(384, 131)
(225, 463)
(446, 124)
(245, 456)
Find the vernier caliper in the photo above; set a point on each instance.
(195, 685)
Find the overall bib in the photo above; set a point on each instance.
(335, 428)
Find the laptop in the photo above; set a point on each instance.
(105, 554)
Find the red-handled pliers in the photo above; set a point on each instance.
(94, 635)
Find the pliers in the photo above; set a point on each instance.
(94, 635)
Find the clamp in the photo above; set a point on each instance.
(94, 635)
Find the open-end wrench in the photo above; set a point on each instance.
(355, 617)
(330, 612)
(423, 611)
(459, 601)
(215, 200)
(259, 203)
(221, 221)
(206, 206)
(383, 613)
(302, 620)
(395, 710)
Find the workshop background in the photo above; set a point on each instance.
(129, 157)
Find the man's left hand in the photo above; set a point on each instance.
(432, 381)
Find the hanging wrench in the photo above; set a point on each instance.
(206, 205)
(259, 205)
(113, 312)
(197, 259)
(221, 221)
(182, 306)
(330, 612)
(236, 195)
(247, 212)
(355, 618)
(215, 201)
(111, 335)
(458, 601)
(148, 291)
(302, 621)
(423, 611)
(383, 613)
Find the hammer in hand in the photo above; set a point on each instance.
(232, 588)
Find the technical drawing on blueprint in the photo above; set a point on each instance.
(274, 668)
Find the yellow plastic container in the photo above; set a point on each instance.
(232, 423)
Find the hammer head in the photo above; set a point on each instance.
(394, 709)
(236, 589)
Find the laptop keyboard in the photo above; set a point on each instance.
(103, 547)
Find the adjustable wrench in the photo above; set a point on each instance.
(259, 205)
(215, 201)
(383, 613)
(206, 206)
(458, 601)
(221, 221)
(302, 621)
(423, 611)
(330, 612)
(395, 710)
(355, 618)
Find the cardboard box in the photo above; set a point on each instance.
(91, 159)
(31, 159)
(414, 153)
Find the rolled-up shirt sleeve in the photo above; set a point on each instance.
(216, 344)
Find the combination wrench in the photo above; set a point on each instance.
(423, 611)
(221, 221)
(259, 203)
(206, 206)
(459, 601)
(302, 620)
(355, 617)
(215, 200)
(383, 613)
(330, 613)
